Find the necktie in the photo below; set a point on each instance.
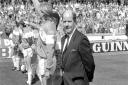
(67, 37)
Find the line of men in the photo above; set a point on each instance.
(70, 63)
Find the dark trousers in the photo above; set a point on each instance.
(77, 82)
(55, 78)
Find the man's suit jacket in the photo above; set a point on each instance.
(77, 60)
(126, 30)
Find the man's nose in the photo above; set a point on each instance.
(66, 24)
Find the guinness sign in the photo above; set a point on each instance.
(110, 46)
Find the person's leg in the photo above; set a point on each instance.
(41, 70)
(34, 65)
(29, 81)
(17, 63)
(14, 62)
(44, 81)
(25, 63)
(29, 69)
(23, 66)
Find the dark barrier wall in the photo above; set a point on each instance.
(109, 46)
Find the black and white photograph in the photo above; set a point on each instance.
(63, 42)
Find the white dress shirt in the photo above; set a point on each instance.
(68, 41)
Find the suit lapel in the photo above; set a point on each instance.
(72, 40)
(67, 51)
(62, 43)
(70, 43)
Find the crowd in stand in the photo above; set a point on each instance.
(96, 18)
(100, 18)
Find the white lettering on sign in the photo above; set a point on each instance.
(105, 46)
(6, 42)
(96, 47)
(5, 49)
(118, 46)
(125, 46)
(4, 52)
(110, 46)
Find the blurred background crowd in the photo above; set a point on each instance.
(93, 16)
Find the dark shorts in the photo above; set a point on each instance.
(20, 54)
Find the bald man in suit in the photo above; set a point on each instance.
(78, 65)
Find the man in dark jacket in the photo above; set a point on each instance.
(77, 61)
(126, 29)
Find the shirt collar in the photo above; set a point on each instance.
(72, 32)
(70, 36)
